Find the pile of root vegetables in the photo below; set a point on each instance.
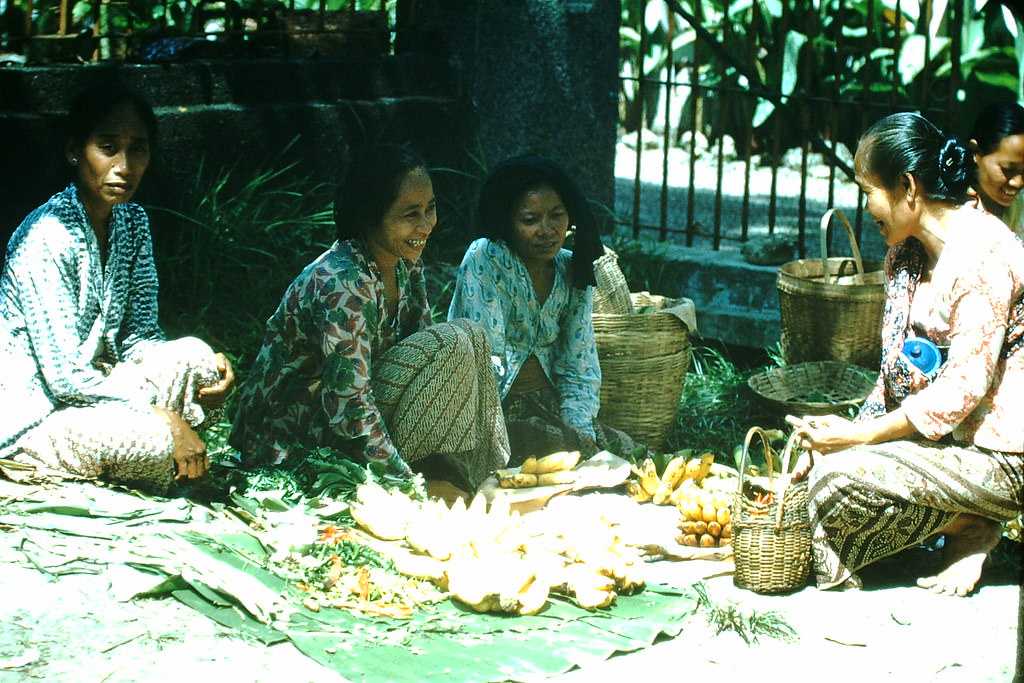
(493, 559)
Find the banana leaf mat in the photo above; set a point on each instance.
(211, 561)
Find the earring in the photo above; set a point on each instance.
(571, 231)
(74, 161)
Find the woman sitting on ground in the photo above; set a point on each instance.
(90, 388)
(535, 299)
(939, 454)
(350, 360)
(998, 144)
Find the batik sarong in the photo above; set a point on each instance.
(872, 501)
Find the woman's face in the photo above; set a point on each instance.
(887, 207)
(1001, 172)
(403, 232)
(539, 225)
(110, 163)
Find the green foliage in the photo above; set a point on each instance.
(748, 625)
(811, 54)
(717, 407)
(227, 256)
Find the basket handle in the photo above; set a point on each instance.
(746, 450)
(825, 220)
(788, 455)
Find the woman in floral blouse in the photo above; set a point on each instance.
(942, 453)
(350, 360)
(535, 299)
(90, 388)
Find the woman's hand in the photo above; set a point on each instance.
(214, 396)
(825, 434)
(190, 459)
(830, 433)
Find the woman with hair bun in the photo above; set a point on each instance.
(935, 453)
(997, 141)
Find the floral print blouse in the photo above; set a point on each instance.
(66, 316)
(310, 383)
(972, 307)
(494, 290)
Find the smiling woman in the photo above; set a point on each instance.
(998, 144)
(350, 360)
(90, 388)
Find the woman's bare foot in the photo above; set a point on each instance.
(969, 540)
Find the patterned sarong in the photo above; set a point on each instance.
(536, 429)
(869, 502)
(436, 392)
(123, 442)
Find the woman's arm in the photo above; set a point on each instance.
(831, 433)
(979, 310)
(44, 274)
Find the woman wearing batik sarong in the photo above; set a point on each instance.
(90, 388)
(535, 299)
(350, 360)
(934, 454)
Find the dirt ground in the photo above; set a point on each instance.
(76, 628)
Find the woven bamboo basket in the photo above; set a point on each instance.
(771, 541)
(612, 292)
(814, 388)
(831, 307)
(644, 358)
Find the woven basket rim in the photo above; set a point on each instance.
(762, 384)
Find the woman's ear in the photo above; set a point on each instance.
(71, 153)
(911, 188)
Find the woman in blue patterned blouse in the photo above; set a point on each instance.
(90, 387)
(536, 300)
(350, 360)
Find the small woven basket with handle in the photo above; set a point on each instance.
(771, 538)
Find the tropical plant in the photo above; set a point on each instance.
(746, 67)
(227, 255)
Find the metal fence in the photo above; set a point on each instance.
(48, 31)
(738, 118)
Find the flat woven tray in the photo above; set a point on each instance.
(814, 388)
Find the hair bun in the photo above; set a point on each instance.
(954, 166)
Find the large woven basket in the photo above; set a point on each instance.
(771, 541)
(644, 358)
(823, 387)
(831, 308)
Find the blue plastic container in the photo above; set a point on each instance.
(923, 353)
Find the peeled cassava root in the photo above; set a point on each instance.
(495, 560)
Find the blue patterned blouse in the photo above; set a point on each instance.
(494, 290)
(65, 315)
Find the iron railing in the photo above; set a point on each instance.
(722, 100)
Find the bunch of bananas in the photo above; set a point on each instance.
(556, 468)
(666, 489)
(705, 519)
(495, 560)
